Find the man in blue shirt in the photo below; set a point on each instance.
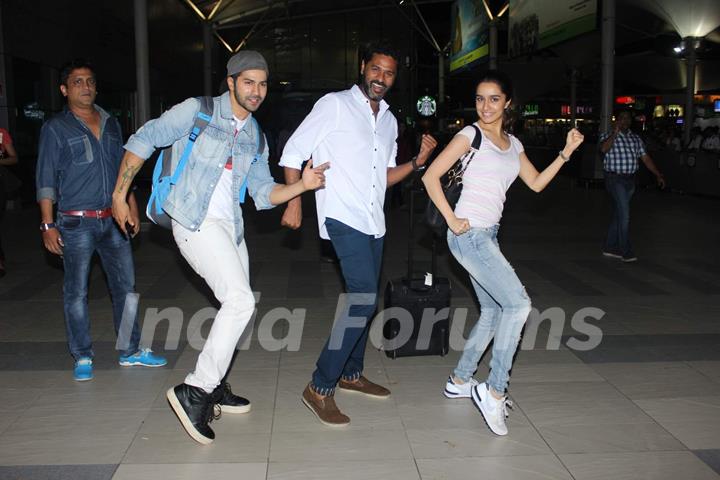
(622, 148)
(79, 155)
(207, 221)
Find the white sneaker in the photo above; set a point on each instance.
(494, 411)
(455, 390)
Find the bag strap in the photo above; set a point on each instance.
(474, 147)
(202, 119)
(477, 141)
(259, 149)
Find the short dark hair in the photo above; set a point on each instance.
(624, 111)
(381, 47)
(74, 64)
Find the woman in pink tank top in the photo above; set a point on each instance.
(472, 239)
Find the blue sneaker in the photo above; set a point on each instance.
(83, 369)
(144, 358)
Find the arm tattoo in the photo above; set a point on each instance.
(127, 177)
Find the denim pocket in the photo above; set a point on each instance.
(481, 240)
(208, 144)
(67, 222)
(81, 150)
(114, 144)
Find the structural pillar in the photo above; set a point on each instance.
(5, 102)
(608, 63)
(493, 45)
(207, 59)
(142, 63)
(573, 95)
(690, 61)
(441, 85)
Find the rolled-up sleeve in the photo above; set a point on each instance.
(48, 155)
(321, 121)
(165, 130)
(392, 161)
(260, 182)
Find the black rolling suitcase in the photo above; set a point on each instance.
(417, 308)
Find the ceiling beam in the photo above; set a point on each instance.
(230, 22)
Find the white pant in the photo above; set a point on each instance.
(211, 251)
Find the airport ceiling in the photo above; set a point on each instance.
(639, 31)
(176, 41)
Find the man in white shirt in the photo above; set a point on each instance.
(354, 131)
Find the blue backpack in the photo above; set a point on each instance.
(163, 178)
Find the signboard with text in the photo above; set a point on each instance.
(469, 33)
(538, 24)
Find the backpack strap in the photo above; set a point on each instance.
(202, 119)
(259, 149)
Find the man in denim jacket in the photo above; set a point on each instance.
(207, 221)
(78, 160)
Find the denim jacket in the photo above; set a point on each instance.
(74, 168)
(188, 200)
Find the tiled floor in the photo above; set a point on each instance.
(618, 375)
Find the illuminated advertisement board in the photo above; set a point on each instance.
(537, 24)
(469, 33)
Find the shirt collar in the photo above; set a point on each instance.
(103, 115)
(360, 97)
(227, 113)
(225, 107)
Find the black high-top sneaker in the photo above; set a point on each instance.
(228, 401)
(194, 408)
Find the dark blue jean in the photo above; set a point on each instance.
(83, 237)
(360, 258)
(621, 188)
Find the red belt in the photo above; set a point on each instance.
(104, 213)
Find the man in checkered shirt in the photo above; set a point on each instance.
(622, 148)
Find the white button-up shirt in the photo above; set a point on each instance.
(342, 130)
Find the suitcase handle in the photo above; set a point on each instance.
(411, 242)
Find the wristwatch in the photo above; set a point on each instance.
(44, 227)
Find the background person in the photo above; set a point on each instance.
(78, 161)
(8, 181)
(622, 148)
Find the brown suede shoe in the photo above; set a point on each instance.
(363, 385)
(324, 409)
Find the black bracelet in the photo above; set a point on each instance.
(414, 163)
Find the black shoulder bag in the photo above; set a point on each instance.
(452, 186)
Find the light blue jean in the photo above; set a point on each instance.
(504, 304)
